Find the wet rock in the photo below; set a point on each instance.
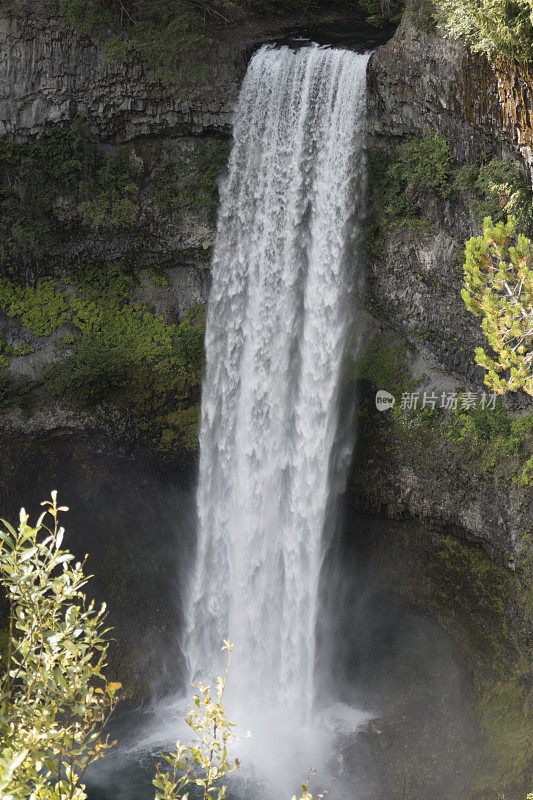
(378, 733)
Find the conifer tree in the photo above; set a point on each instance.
(498, 287)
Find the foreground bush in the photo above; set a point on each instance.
(54, 698)
(205, 761)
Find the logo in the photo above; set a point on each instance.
(384, 400)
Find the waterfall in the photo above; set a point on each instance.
(278, 321)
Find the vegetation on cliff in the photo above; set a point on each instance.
(54, 698)
(490, 440)
(486, 456)
(498, 282)
(425, 165)
(501, 26)
(64, 185)
(166, 34)
(51, 185)
(115, 350)
(498, 287)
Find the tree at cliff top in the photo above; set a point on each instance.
(54, 699)
(498, 287)
(497, 26)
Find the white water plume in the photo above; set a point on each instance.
(278, 322)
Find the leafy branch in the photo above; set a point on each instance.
(54, 699)
(205, 761)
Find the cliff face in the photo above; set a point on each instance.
(425, 81)
(418, 81)
(49, 73)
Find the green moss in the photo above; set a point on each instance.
(124, 354)
(504, 710)
(114, 280)
(384, 366)
(487, 609)
(156, 279)
(494, 438)
(423, 334)
(43, 308)
(7, 350)
(491, 439)
(149, 368)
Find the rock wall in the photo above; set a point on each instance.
(425, 81)
(418, 80)
(50, 73)
(515, 86)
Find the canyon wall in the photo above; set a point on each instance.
(440, 488)
(417, 81)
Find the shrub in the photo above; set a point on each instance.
(420, 163)
(112, 194)
(53, 184)
(149, 368)
(205, 761)
(14, 391)
(98, 369)
(388, 189)
(54, 698)
(84, 15)
(33, 175)
(425, 163)
(192, 180)
(61, 185)
(497, 189)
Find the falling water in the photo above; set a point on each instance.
(278, 320)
